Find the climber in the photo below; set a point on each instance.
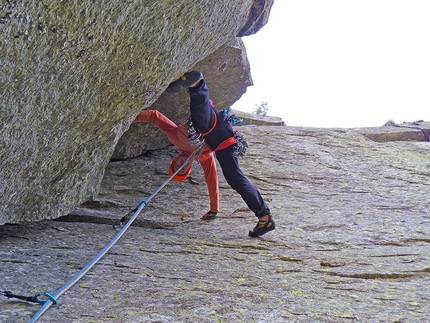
(219, 135)
(178, 136)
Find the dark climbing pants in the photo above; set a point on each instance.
(240, 183)
(204, 115)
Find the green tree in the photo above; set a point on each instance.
(261, 109)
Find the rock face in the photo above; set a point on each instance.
(351, 244)
(227, 73)
(141, 137)
(73, 75)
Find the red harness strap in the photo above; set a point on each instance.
(213, 127)
(226, 143)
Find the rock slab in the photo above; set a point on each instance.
(351, 245)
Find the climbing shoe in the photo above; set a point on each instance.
(209, 216)
(262, 227)
(184, 81)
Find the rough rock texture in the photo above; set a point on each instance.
(407, 131)
(74, 74)
(142, 137)
(352, 242)
(227, 73)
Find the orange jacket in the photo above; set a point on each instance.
(178, 135)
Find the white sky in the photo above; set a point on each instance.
(342, 63)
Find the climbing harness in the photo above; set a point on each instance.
(52, 299)
(196, 138)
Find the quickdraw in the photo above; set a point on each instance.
(194, 137)
(32, 299)
(241, 145)
(231, 117)
(241, 142)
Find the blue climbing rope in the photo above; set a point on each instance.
(54, 297)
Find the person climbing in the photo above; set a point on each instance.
(219, 135)
(179, 136)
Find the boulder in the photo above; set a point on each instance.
(227, 73)
(73, 75)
